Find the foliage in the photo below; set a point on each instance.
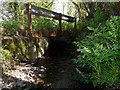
(99, 57)
(98, 18)
(4, 54)
(46, 5)
(5, 57)
(67, 26)
(10, 27)
(20, 47)
(41, 23)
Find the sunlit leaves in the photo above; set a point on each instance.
(4, 54)
(99, 53)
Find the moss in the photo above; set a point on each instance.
(26, 48)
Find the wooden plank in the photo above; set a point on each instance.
(38, 14)
(44, 10)
(68, 20)
(68, 16)
(37, 11)
(56, 17)
(52, 13)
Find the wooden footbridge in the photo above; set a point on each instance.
(38, 11)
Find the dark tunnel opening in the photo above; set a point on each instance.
(59, 47)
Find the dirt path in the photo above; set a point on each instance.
(62, 72)
(52, 72)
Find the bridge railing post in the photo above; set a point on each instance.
(75, 24)
(60, 25)
(28, 8)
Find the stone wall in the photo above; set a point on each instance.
(25, 48)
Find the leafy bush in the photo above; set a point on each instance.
(11, 26)
(99, 56)
(5, 56)
(14, 25)
(98, 17)
(67, 26)
(41, 23)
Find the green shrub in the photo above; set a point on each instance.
(99, 56)
(4, 54)
(98, 17)
(5, 57)
(41, 23)
(67, 26)
(10, 27)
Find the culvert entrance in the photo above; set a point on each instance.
(59, 47)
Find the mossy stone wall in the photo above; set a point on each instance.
(25, 48)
